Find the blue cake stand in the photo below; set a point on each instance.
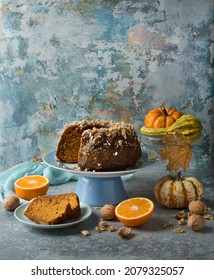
(99, 188)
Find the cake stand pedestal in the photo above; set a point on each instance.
(100, 191)
(99, 188)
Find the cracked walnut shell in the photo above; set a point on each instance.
(107, 212)
(11, 202)
(197, 207)
(125, 232)
(196, 222)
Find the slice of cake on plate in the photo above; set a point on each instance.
(55, 209)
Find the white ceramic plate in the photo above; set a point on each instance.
(85, 213)
(144, 162)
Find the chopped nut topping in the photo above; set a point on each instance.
(124, 133)
(120, 142)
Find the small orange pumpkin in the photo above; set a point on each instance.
(161, 117)
(176, 191)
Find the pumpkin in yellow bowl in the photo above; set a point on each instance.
(176, 191)
(161, 117)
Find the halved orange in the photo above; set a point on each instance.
(135, 211)
(31, 186)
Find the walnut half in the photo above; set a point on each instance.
(125, 232)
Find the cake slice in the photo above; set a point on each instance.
(74, 203)
(53, 209)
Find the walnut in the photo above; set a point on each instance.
(98, 229)
(167, 224)
(197, 207)
(102, 223)
(196, 222)
(178, 230)
(182, 221)
(125, 232)
(11, 202)
(112, 228)
(179, 215)
(208, 216)
(103, 228)
(107, 212)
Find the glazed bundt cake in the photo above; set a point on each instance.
(55, 209)
(99, 145)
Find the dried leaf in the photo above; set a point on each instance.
(178, 151)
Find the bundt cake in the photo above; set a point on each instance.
(53, 209)
(99, 145)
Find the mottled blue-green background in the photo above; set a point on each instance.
(62, 61)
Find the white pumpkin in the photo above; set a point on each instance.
(175, 191)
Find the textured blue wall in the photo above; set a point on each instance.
(67, 60)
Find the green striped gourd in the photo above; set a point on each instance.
(188, 125)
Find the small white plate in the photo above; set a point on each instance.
(85, 213)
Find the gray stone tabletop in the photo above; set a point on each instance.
(149, 242)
